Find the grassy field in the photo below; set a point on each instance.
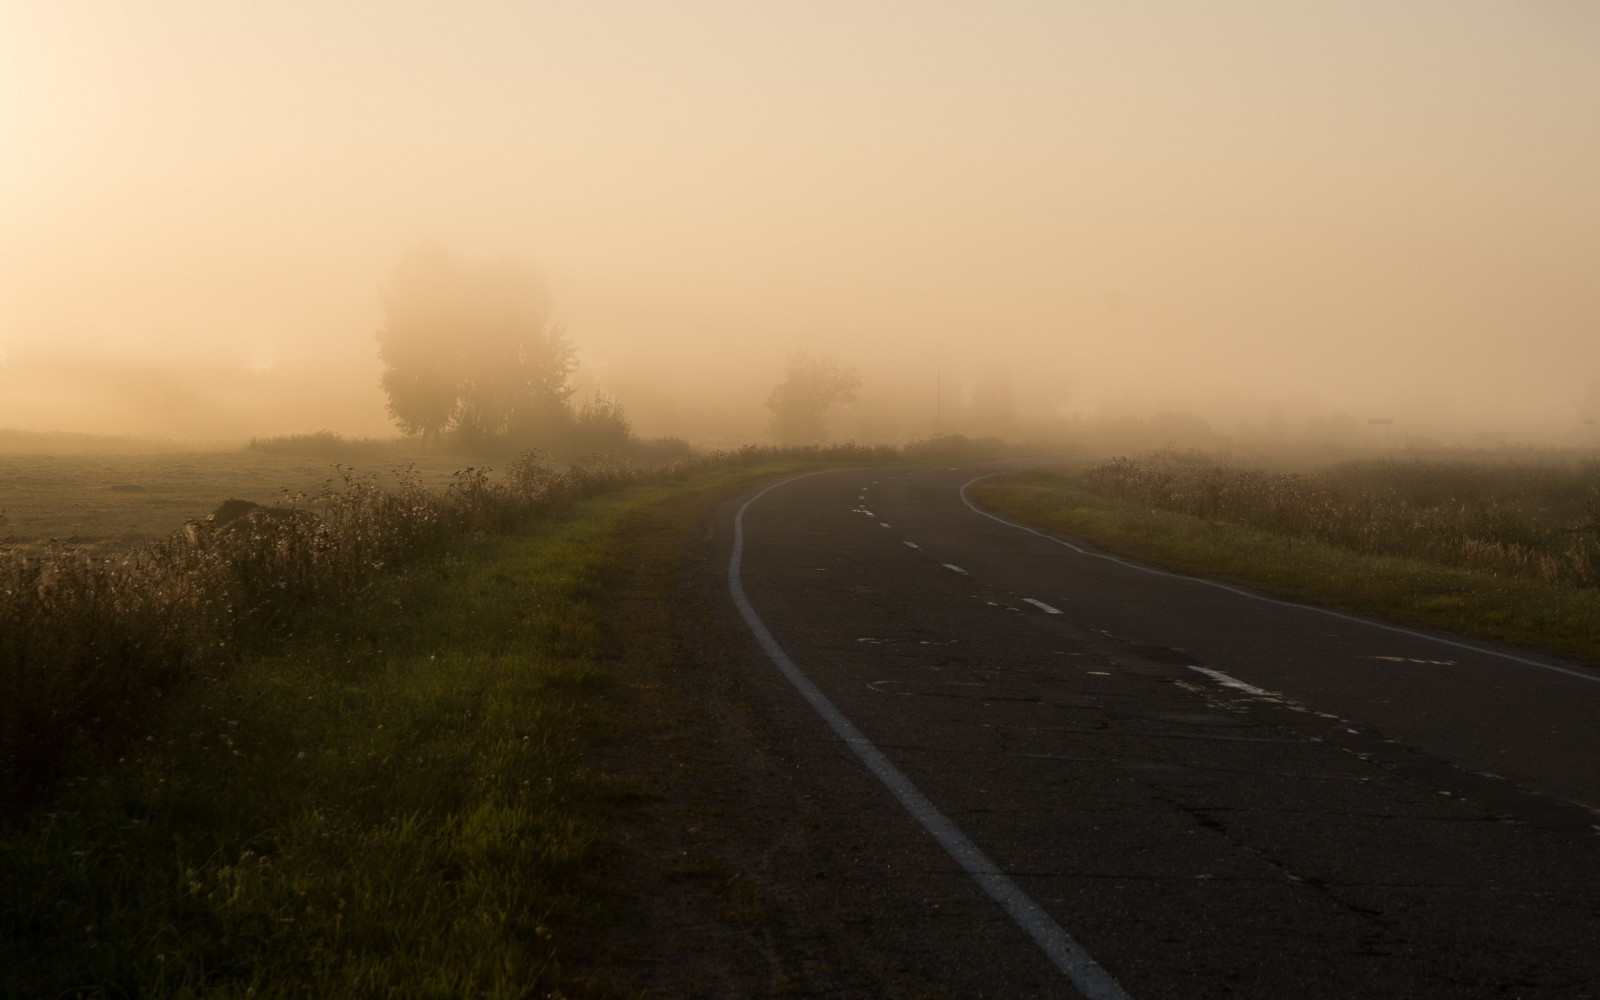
(85, 636)
(110, 503)
(395, 800)
(1500, 552)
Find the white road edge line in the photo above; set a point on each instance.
(952, 567)
(883, 524)
(1042, 606)
(1267, 600)
(1233, 682)
(1094, 982)
(913, 545)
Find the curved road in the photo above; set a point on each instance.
(1076, 776)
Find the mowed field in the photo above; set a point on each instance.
(114, 502)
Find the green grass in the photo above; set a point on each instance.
(1537, 519)
(1557, 617)
(397, 800)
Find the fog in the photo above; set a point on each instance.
(1274, 217)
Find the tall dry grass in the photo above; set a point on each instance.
(1540, 521)
(84, 636)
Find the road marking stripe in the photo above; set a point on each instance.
(883, 524)
(954, 568)
(1233, 682)
(913, 545)
(1042, 606)
(1525, 661)
(1094, 982)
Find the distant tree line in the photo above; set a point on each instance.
(472, 350)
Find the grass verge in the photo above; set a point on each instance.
(1561, 619)
(397, 800)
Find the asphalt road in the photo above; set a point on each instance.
(1048, 773)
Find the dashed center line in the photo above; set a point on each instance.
(883, 524)
(955, 569)
(913, 545)
(1042, 606)
(1233, 682)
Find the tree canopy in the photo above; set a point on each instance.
(810, 385)
(471, 347)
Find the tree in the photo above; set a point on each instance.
(420, 377)
(810, 385)
(471, 347)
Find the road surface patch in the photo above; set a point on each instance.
(1085, 974)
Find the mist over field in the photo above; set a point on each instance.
(1286, 221)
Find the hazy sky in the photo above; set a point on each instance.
(1389, 207)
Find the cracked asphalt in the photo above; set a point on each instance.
(1212, 795)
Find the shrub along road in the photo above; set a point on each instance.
(1204, 792)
